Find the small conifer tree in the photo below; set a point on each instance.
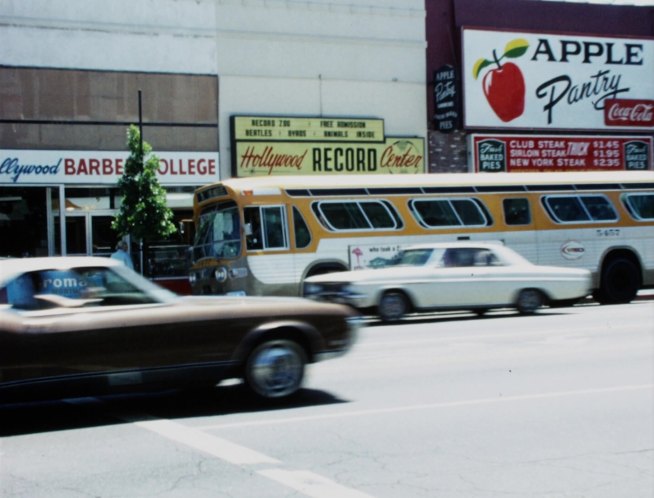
(143, 214)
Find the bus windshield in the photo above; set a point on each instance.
(219, 232)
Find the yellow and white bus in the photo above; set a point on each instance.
(265, 235)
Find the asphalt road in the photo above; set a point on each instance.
(560, 404)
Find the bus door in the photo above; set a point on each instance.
(267, 243)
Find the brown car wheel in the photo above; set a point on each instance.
(275, 368)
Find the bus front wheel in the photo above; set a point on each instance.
(619, 282)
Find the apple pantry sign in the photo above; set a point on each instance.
(555, 81)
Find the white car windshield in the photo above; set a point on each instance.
(418, 257)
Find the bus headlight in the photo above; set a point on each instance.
(221, 274)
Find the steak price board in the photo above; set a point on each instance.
(529, 153)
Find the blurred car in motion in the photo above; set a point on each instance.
(451, 276)
(78, 326)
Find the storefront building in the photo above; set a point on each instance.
(237, 88)
(71, 72)
(523, 85)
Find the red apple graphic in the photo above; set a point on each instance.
(504, 86)
(505, 91)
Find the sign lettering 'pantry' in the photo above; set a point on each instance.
(543, 80)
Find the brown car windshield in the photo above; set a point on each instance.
(75, 287)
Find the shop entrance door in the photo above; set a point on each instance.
(90, 234)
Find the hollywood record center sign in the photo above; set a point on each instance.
(528, 80)
(290, 145)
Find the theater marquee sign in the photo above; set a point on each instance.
(309, 146)
(557, 81)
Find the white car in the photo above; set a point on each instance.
(452, 276)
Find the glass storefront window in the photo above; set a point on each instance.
(26, 231)
(23, 222)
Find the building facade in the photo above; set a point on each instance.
(71, 72)
(388, 82)
(565, 73)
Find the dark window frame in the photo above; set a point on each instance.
(557, 215)
(356, 216)
(452, 203)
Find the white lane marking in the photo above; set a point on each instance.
(201, 441)
(305, 482)
(311, 484)
(428, 406)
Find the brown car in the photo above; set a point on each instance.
(78, 326)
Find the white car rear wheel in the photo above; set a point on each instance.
(393, 305)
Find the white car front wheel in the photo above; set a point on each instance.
(529, 300)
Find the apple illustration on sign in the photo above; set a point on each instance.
(504, 85)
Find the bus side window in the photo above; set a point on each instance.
(302, 234)
(274, 232)
(566, 209)
(599, 208)
(640, 206)
(516, 211)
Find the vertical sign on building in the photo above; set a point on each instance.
(446, 99)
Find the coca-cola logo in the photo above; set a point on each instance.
(629, 112)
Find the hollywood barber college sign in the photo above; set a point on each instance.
(528, 80)
(52, 167)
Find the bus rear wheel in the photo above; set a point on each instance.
(619, 282)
